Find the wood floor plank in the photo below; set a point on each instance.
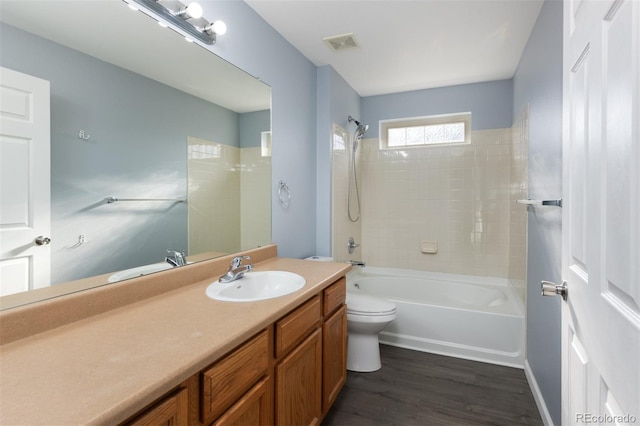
(418, 388)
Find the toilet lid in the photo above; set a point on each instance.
(368, 305)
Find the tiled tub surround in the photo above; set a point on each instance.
(342, 227)
(462, 196)
(101, 355)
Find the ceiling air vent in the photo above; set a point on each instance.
(341, 42)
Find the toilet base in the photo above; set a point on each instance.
(363, 353)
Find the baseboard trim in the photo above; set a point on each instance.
(537, 395)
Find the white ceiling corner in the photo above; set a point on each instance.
(408, 45)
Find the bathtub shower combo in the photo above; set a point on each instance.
(472, 317)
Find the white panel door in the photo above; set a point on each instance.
(601, 215)
(24, 182)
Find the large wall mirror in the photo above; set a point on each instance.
(177, 135)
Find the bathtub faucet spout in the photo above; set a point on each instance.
(357, 263)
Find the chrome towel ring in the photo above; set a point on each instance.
(284, 194)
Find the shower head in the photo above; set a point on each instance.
(361, 128)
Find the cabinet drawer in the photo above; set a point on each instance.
(231, 377)
(334, 296)
(296, 325)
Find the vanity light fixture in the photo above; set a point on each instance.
(218, 27)
(186, 17)
(193, 10)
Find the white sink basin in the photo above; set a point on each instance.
(139, 271)
(258, 285)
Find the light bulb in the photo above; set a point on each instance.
(194, 10)
(219, 27)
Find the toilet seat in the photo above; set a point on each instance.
(364, 305)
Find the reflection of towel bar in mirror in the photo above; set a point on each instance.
(110, 200)
(529, 202)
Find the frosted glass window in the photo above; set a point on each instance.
(434, 134)
(340, 138)
(397, 137)
(415, 136)
(265, 144)
(422, 131)
(454, 132)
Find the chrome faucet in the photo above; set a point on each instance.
(175, 258)
(236, 269)
(357, 263)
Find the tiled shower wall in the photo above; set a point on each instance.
(342, 227)
(460, 196)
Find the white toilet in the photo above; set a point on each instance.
(366, 317)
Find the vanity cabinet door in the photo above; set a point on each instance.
(253, 409)
(299, 384)
(334, 357)
(170, 411)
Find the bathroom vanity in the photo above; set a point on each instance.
(155, 349)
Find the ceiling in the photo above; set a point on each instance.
(408, 45)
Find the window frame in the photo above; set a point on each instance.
(423, 121)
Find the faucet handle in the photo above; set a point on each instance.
(175, 257)
(237, 261)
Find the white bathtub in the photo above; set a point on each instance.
(478, 318)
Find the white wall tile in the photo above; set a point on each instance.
(461, 196)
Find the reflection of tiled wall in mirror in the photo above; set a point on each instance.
(255, 189)
(214, 196)
(229, 197)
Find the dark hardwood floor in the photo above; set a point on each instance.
(417, 388)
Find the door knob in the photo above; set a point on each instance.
(553, 289)
(42, 241)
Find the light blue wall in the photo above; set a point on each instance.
(252, 124)
(251, 44)
(336, 102)
(489, 103)
(538, 83)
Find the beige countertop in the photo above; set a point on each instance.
(107, 367)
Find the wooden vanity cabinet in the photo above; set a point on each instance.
(334, 339)
(171, 410)
(309, 378)
(334, 357)
(254, 408)
(298, 370)
(299, 384)
(231, 383)
(289, 374)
